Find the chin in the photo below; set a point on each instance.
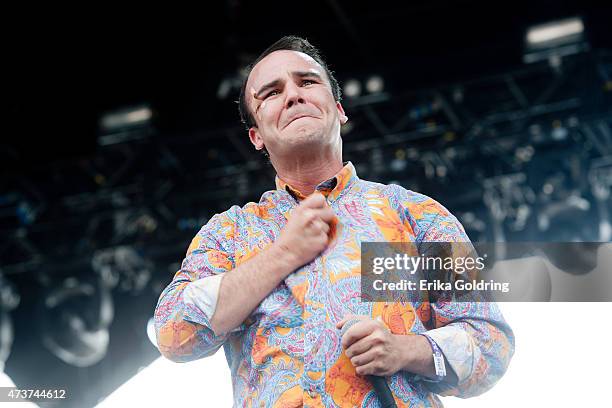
(306, 134)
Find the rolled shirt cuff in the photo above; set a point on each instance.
(203, 295)
(458, 348)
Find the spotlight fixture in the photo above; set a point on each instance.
(554, 40)
(352, 88)
(375, 84)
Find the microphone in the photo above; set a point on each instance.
(381, 388)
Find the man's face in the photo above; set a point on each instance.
(290, 97)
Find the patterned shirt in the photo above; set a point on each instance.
(287, 353)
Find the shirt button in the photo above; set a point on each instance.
(312, 394)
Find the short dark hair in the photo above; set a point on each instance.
(291, 43)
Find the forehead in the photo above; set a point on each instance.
(278, 63)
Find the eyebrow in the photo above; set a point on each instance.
(276, 82)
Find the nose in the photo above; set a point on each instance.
(294, 95)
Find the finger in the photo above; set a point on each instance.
(317, 227)
(344, 320)
(351, 317)
(326, 214)
(357, 332)
(368, 369)
(311, 220)
(381, 323)
(359, 347)
(323, 227)
(365, 358)
(315, 200)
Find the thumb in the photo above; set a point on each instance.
(315, 200)
(344, 320)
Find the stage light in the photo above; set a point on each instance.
(548, 188)
(375, 84)
(399, 161)
(568, 219)
(26, 213)
(424, 110)
(555, 40)
(75, 319)
(524, 154)
(555, 33)
(125, 125)
(136, 116)
(458, 94)
(352, 88)
(123, 266)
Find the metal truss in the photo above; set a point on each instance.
(500, 151)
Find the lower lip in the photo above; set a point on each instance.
(303, 117)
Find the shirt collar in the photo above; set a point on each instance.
(331, 188)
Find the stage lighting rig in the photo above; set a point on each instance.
(554, 40)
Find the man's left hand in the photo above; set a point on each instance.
(371, 347)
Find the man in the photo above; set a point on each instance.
(274, 282)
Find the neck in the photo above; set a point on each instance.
(305, 175)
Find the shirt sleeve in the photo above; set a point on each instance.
(458, 348)
(203, 293)
(185, 307)
(475, 339)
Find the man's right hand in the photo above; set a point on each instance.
(306, 234)
(243, 288)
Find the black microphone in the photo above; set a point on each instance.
(378, 383)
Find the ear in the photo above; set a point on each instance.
(341, 114)
(256, 138)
